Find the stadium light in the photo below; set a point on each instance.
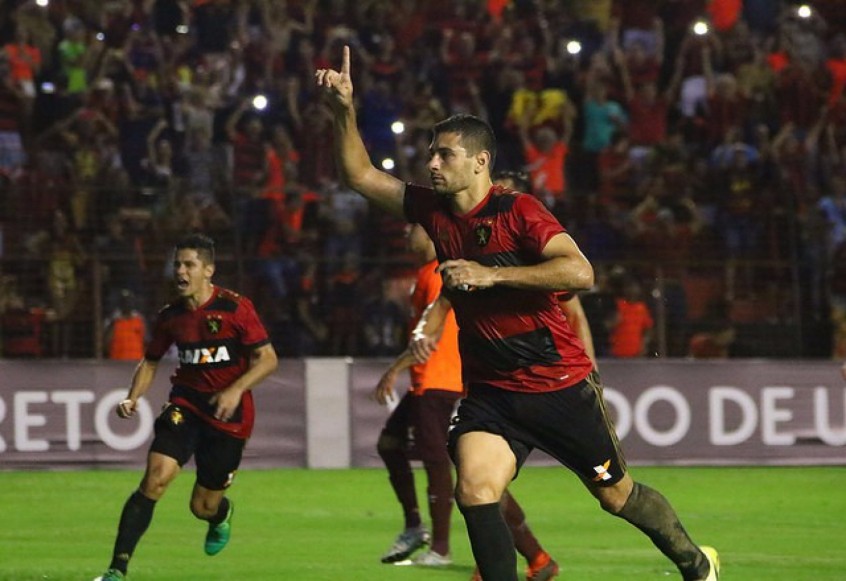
(260, 102)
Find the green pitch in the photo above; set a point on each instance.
(773, 524)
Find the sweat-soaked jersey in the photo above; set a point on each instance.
(214, 345)
(510, 338)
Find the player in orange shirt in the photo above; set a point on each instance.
(417, 428)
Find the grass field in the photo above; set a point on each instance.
(770, 524)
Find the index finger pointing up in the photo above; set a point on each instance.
(345, 65)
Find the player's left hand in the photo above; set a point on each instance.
(226, 402)
(466, 275)
(385, 388)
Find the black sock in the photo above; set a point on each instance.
(134, 520)
(490, 539)
(649, 511)
(222, 511)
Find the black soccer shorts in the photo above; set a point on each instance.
(571, 425)
(180, 434)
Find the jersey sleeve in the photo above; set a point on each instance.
(253, 333)
(160, 341)
(539, 225)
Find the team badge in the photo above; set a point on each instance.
(176, 416)
(483, 234)
(214, 323)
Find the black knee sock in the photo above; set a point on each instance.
(649, 511)
(493, 547)
(134, 520)
(402, 481)
(222, 511)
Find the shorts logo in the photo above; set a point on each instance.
(483, 234)
(214, 323)
(602, 471)
(176, 416)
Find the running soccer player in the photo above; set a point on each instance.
(530, 384)
(224, 352)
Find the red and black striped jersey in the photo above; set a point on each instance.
(511, 338)
(214, 345)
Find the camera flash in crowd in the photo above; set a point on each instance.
(182, 29)
(260, 102)
(388, 164)
(700, 28)
(43, 3)
(804, 11)
(398, 127)
(574, 47)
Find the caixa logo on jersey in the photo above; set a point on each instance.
(218, 355)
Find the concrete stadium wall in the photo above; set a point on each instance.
(318, 413)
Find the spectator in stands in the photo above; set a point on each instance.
(249, 173)
(631, 335)
(546, 146)
(203, 177)
(74, 57)
(65, 256)
(25, 64)
(343, 307)
(125, 331)
(603, 118)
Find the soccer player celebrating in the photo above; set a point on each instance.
(224, 352)
(504, 258)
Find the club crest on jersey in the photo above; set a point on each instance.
(176, 416)
(483, 234)
(214, 323)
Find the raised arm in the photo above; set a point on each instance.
(354, 164)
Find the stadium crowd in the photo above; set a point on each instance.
(695, 149)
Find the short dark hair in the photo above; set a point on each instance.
(476, 134)
(203, 244)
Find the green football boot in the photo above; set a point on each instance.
(218, 535)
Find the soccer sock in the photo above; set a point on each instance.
(524, 540)
(493, 547)
(649, 511)
(222, 511)
(402, 481)
(440, 503)
(134, 520)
